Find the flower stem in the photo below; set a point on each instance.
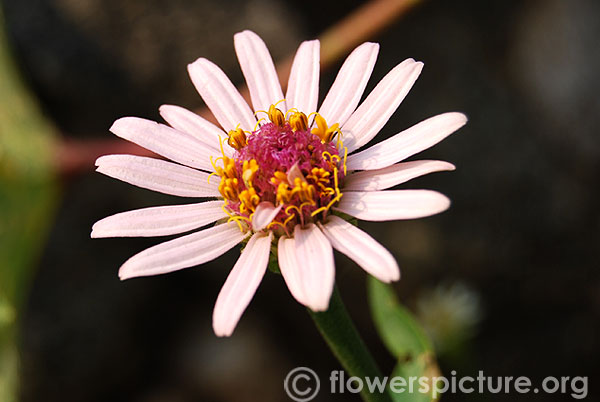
(338, 330)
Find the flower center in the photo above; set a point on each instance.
(285, 162)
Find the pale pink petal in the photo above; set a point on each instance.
(380, 179)
(164, 140)
(295, 173)
(303, 84)
(241, 284)
(221, 96)
(407, 143)
(393, 204)
(362, 248)
(349, 85)
(159, 221)
(318, 269)
(183, 252)
(259, 71)
(198, 127)
(290, 269)
(158, 175)
(381, 103)
(264, 214)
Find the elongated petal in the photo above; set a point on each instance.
(303, 85)
(381, 103)
(158, 175)
(241, 284)
(407, 143)
(259, 70)
(362, 248)
(264, 214)
(198, 127)
(349, 85)
(221, 97)
(318, 269)
(380, 179)
(392, 205)
(290, 269)
(164, 140)
(159, 221)
(183, 252)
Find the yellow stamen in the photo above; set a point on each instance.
(225, 209)
(237, 219)
(278, 102)
(335, 199)
(233, 217)
(306, 192)
(215, 168)
(258, 122)
(210, 175)
(319, 175)
(279, 177)
(298, 121)
(290, 111)
(273, 223)
(289, 218)
(276, 116)
(339, 143)
(214, 163)
(229, 188)
(290, 207)
(248, 200)
(332, 158)
(237, 139)
(283, 225)
(324, 132)
(284, 194)
(249, 169)
(304, 204)
(228, 169)
(335, 180)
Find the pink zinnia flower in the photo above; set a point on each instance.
(281, 174)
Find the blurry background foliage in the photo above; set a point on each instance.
(506, 281)
(27, 202)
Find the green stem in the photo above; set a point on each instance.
(338, 330)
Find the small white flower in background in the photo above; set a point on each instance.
(279, 174)
(450, 314)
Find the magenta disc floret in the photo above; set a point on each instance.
(285, 166)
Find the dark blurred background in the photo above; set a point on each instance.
(506, 281)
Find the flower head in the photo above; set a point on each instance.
(281, 174)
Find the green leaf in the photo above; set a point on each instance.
(399, 331)
(28, 194)
(405, 340)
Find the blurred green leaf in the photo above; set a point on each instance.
(400, 332)
(27, 200)
(405, 340)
